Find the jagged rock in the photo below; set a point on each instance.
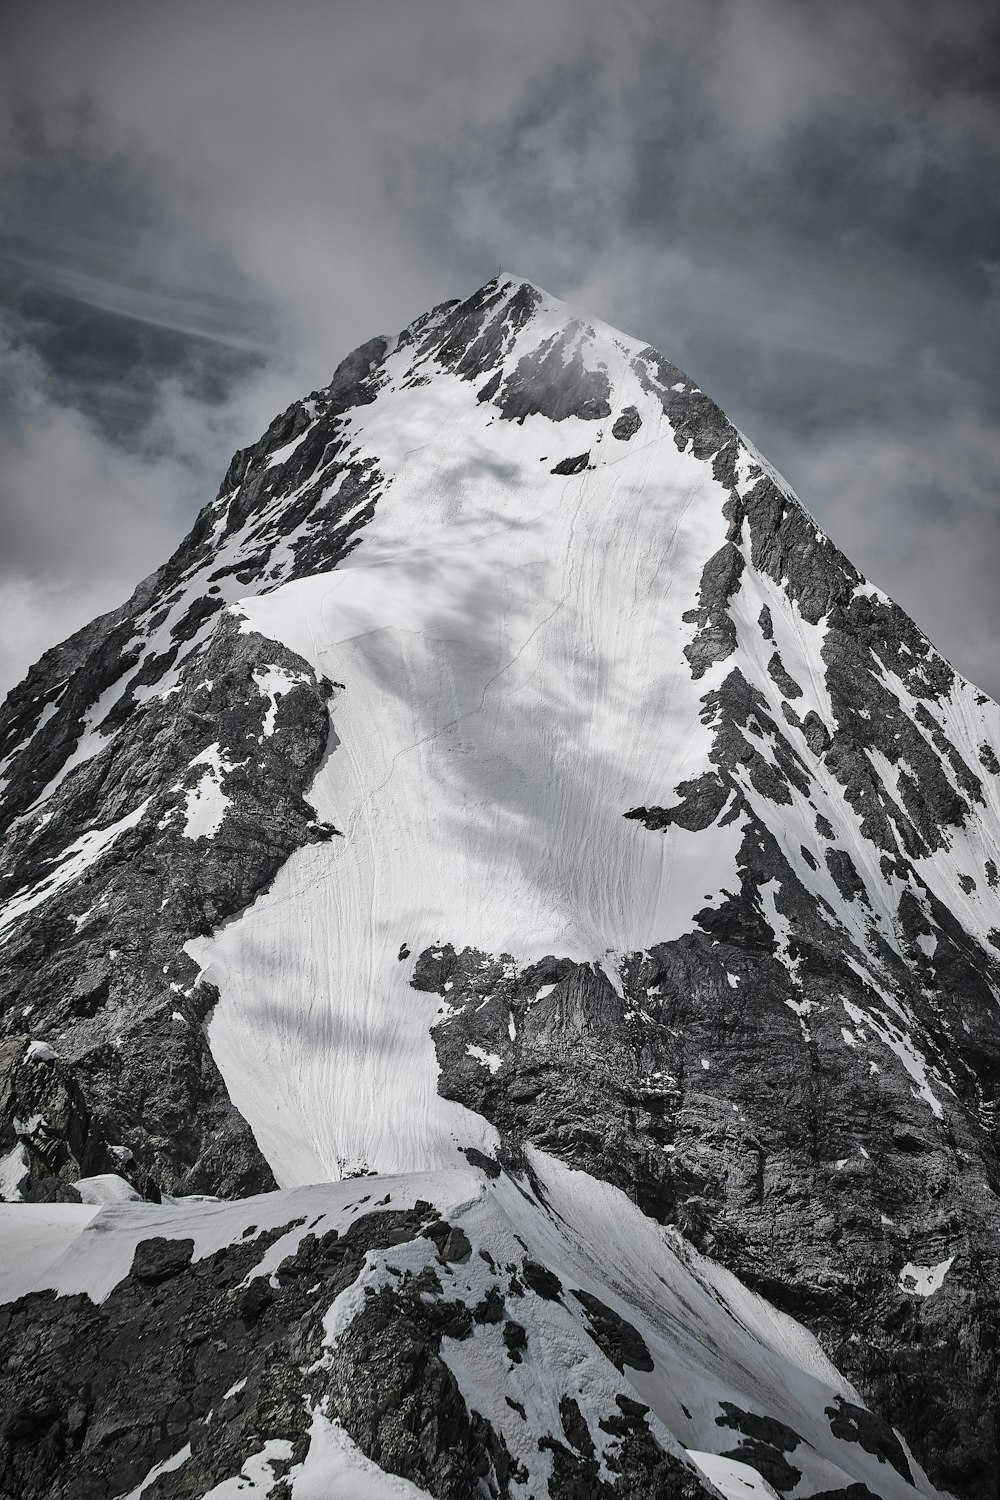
(44, 1117)
(616, 1336)
(787, 684)
(702, 800)
(102, 972)
(627, 425)
(86, 1386)
(572, 465)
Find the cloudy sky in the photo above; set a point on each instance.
(204, 205)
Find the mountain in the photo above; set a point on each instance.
(500, 961)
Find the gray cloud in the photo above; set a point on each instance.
(83, 516)
(795, 201)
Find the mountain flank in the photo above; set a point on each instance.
(499, 961)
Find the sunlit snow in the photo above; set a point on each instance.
(508, 641)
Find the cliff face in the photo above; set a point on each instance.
(506, 771)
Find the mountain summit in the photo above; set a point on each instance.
(525, 909)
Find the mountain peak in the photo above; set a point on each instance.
(507, 770)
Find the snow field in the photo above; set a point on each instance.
(509, 644)
(510, 641)
(33, 1237)
(711, 1339)
(732, 1479)
(335, 1467)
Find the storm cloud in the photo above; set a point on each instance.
(204, 207)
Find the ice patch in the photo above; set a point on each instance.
(489, 1060)
(901, 1044)
(90, 742)
(44, 717)
(803, 1009)
(256, 1474)
(107, 1187)
(924, 1281)
(282, 454)
(205, 804)
(779, 924)
(732, 1479)
(335, 1467)
(14, 1169)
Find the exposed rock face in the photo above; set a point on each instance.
(190, 1340)
(701, 1094)
(793, 1059)
(199, 801)
(47, 1140)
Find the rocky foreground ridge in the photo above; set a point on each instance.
(506, 802)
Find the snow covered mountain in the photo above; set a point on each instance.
(509, 812)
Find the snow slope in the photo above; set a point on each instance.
(502, 638)
(709, 1341)
(34, 1236)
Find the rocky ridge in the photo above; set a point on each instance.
(459, 1345)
